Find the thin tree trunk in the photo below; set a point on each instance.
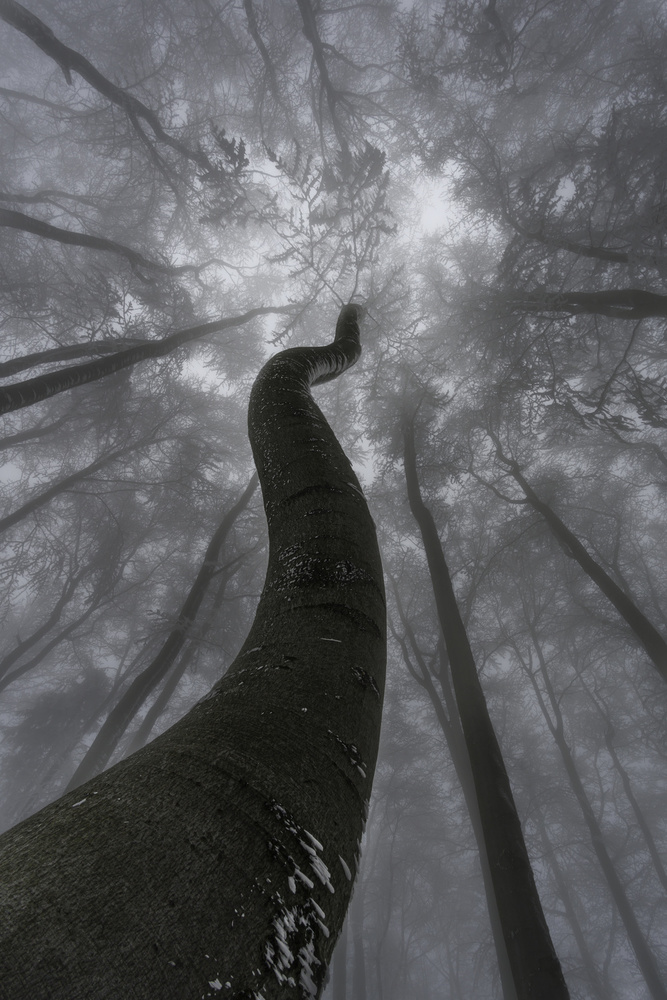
(574, 245)
(70, 61)
(33, 390)
(565, 896)
(67, 353)
(645, 958)
(451, 728)
(13, 440)
(648, 635)
(637, 810)
(27, 224)
(253, 28)
(619, 303)
(122, 714)
(223, 852)
(533, 960)
(140, 737)
(62, 486)
(24, 645)
(642, 823)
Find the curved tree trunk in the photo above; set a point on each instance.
(219, 859)
(535, 967)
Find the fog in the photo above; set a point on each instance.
(489, 183)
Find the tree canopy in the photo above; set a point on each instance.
(186, 188)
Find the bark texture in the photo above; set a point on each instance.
(535, 967)
(219, 859)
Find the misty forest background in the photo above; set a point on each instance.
(490, 180)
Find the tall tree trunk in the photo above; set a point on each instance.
(600, 990)
(619, 303)
(224, 852)
(645, 958)
(143, 732)
(92, 348)
(28, 224)
(448, 720)
(535, 967)
(34, 390)
(648, 635)
(144, 683)
(64, 485)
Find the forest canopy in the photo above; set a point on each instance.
(187, 187)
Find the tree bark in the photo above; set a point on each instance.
(648, 635)
(34, 390)
(221, 856)
(535, 967)
(121, 715)
(451, 728)
(600, 990)
(619, 303)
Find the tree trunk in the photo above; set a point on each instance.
(92, 348)
(221, 856)
(24, 645)
(68, 237)
(619, 303)
(449, 723)
(70, 61)
(34, 390)
(535, 967)
(41, 430)
(648, 635)
(64, 485)
(143, 732)
(144, 683)
(599, 989)
(645, 958)
(340, 966)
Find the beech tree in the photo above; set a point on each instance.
(186, 189)
(324, 575)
